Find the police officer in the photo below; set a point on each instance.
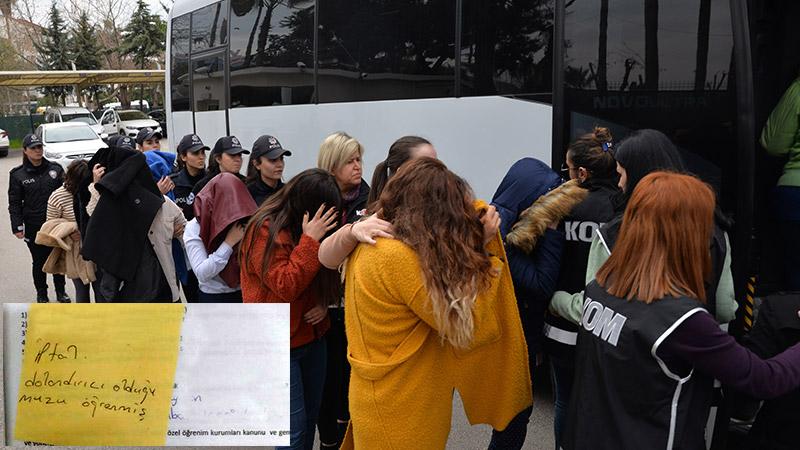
(590, 161)
(29, 187)
(191, 161)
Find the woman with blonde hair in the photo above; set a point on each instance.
(430, 312)
(340, 154)
(648, 350)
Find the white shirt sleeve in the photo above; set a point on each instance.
(205, 266)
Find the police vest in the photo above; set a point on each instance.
(625, 397)
(579, 229)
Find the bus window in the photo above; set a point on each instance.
(633, 64)
(271, 54)
(386, 50)
(506, 48)
(210, 26)
(179, 61)
(208, 81)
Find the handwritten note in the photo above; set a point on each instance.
(98, 374)
(231, 382)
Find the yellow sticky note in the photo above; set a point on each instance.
(98, 374)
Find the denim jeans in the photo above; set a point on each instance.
(306, 378)
(562, 375)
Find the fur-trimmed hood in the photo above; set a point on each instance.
(549, 208)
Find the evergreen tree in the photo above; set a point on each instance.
(85, 48)
(144, 36)
(54, 52)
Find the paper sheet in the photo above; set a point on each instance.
(231, 383)
(98, 374)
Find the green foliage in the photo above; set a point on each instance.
(144, 37)
(85, 47)
(9, 58)
(54, 52)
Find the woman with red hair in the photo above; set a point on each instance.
(648, 351)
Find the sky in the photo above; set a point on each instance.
(43, 5)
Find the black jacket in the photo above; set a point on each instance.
(117, 230)
(579, 229)
(184, 198)
(261, 191)
(356, 209)
(29, 187)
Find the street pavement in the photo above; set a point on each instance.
(16, 286)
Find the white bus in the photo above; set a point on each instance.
(247, 68)
(483, 80)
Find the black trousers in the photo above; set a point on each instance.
(334, 408)
(40, 253)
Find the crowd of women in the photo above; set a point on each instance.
(409, 289)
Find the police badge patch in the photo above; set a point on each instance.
(190, 198)
(53, 174)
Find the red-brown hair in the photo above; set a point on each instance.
(662, 249)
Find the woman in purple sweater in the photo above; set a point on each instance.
(647, 349)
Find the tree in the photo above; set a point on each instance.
(54, 52)
(143, 38)
(85, 49)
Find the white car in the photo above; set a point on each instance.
(3, 143)
(74, 114)
(126, 122)
(65, 142)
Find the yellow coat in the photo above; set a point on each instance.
(403, 375)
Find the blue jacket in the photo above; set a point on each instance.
(161, 165)
(534, 275)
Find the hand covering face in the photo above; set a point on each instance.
(223, 202)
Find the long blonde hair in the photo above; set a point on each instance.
(431, 210)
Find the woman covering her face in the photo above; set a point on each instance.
(429, 312)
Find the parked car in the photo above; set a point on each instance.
(3, 143)
(127, 122)
(65, 142)
(161, 117)
(74, 114)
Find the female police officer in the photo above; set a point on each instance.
(29, 187)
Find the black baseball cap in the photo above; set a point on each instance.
(145, 134)
(268, 147)
(31, 140)
(124, 142)
(191, 143)
(229, 145)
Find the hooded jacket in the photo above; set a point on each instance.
(129, 201)
(224, 201)
(780, 135)
(534, 274)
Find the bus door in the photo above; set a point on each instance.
(209, 95)
(668, 65)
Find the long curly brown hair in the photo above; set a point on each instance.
(432, 211)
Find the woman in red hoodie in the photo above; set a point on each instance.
(280, 265)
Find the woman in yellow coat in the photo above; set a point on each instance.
(427, 313)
